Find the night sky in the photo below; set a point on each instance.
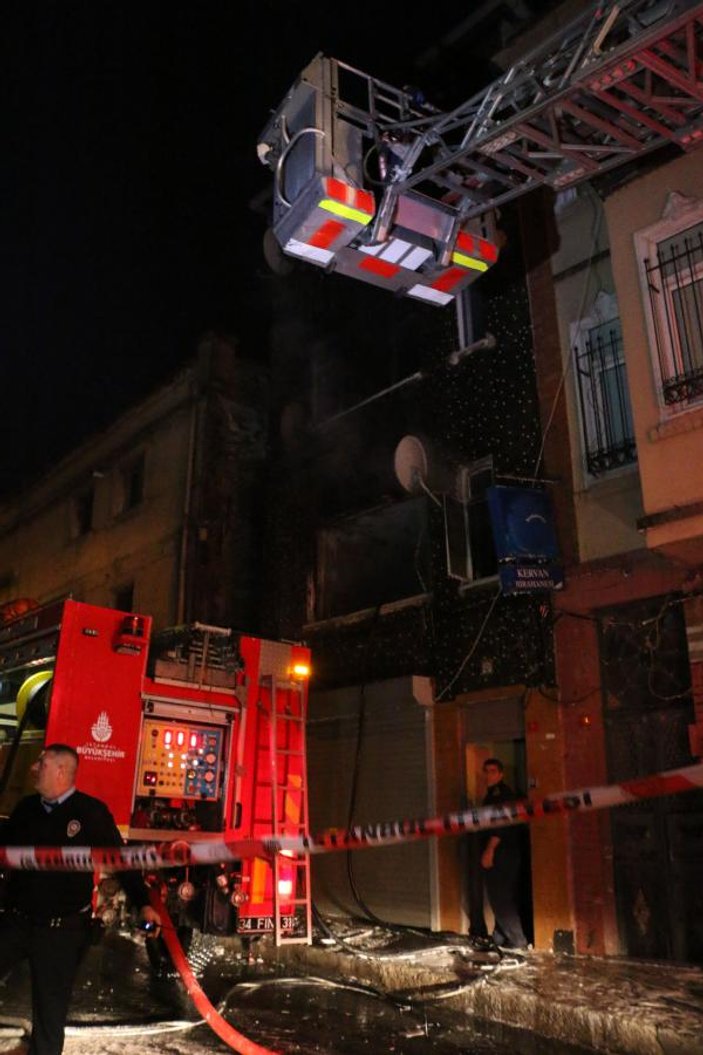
(128, 175)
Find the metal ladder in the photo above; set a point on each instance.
(289, 803)
(616, 83)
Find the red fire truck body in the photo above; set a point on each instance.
(194, 733)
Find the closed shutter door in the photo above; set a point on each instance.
(393, 882)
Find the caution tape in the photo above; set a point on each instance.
(172, 854)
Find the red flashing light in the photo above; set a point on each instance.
(180, 738)
(168, 738)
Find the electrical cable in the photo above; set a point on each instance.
(569, 359)
(357, 766)
(448, 687)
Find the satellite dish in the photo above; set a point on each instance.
(274, 256)
(411, 464)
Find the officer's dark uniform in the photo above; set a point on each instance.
(502, 880)
(47, 915)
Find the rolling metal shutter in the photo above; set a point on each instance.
(392, 782)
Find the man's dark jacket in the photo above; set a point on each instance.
(81, 820)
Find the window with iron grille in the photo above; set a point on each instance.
(604, 398)
(672, 263)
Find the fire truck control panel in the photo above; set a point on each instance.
(193, 732)
(181, 760)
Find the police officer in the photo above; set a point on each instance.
(47, 917)
(501, 864)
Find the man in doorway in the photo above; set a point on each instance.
(47, 915)
(501, 863)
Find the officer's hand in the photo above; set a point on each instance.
(150, 921)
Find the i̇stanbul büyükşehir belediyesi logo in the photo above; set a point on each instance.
(101, 730)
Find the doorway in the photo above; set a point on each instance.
(494, 728)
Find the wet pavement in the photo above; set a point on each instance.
(382, 990)
(613, 1006)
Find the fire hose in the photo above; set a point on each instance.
(236, 1040)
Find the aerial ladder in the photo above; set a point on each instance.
(374, 183)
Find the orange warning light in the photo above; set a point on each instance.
(300, 671)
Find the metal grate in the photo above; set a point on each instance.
(675, 284)
(609, 439)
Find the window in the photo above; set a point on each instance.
(371, 559)
(604, 398)
(671, 254)
(131, 484)
(470, 550)
(82, 512)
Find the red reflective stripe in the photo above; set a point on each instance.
(487, 250)
(379, 267)
(448, 279)
(477, 247)
(336, 189)
(326, 234)
(358, 199)
(366, 201)
(466, 241)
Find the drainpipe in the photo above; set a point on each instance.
(187, 502)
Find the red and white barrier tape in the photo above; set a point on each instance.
(180, 852)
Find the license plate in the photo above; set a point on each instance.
(263, 924)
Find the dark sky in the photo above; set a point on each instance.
(129, 165)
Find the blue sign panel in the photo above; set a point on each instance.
(523, 577)
(523, 523)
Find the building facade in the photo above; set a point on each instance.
(628, 621)
(153, 514)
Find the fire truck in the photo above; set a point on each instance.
(193, 733)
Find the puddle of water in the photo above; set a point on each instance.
(308, 1015)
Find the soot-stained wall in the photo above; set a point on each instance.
(334, 344)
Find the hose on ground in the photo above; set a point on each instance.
(237, 1041)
